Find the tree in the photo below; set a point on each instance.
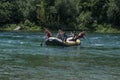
(5, 12)
(68, 11)
(41, 13)
(113, 13)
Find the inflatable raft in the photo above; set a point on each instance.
(53, 41)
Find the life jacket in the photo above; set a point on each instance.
(48, 34)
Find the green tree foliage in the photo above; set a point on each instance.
(113, 13)
(66, 14)
(5, 12)
(41, 12)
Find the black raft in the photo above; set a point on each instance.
(53, 41)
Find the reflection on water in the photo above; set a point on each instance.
(22, 58)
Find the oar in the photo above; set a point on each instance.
(87, 39)
(42, 41)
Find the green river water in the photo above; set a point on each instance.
(22, 58)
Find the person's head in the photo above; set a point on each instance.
(74, 31)
(60, 31)
(71, 32)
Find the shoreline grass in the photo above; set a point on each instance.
(99, 28)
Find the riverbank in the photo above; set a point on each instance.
(106, 29)
(13, 27)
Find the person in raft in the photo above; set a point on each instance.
(61, 35)
(74, 35)
(77, 36)
(81, 34)
(48, 33)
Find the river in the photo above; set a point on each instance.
(22, 58)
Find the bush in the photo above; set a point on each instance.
(106, 28)
(28, 23)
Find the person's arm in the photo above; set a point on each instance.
(84, 37)
(65, 37)
(57, 35)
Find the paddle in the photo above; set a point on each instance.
(87, 39)
(42, 41)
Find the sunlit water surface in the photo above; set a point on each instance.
(22, 58)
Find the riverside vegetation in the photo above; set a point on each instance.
(33, 15)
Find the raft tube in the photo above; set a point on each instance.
(72, 43)
(53, 41)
